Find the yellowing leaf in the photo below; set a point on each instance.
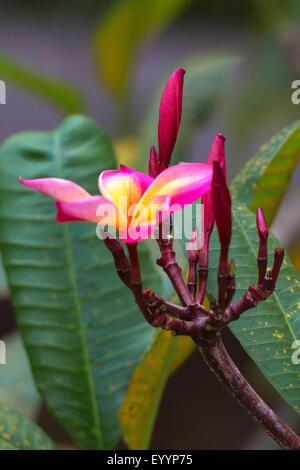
(295, 257)
(142, 399)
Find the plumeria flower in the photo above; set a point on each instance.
(131, 202)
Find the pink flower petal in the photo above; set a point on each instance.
(184, 183)
(170, 116)
(143, 226)
(59, 189)
(92, 209)
(116, 184)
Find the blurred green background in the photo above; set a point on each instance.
(110, 60)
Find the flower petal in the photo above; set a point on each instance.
(92, 209)
(184, 183)
(58, 188)
(169, 116)
(143, 226)
(116, 184)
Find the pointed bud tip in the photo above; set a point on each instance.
(170, 110)
(181, 70)
(261, 223)
(221, 136)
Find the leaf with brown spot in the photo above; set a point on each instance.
(19, 433)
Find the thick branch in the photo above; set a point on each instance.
(219, 361)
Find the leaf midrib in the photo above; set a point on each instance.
(274, 295)
(78, 311)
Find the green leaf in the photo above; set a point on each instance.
(80, 325)
(268, 331)
(121, 31)
(142, 400)
(58, 93)
(18, 433)
(17, 389)
(204, 83)
(264, 180)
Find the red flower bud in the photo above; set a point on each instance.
(221, 204)
(278, 259)
(170, 116)
(217, 152)
(262, 227)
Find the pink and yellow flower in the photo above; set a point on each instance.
(130, 200)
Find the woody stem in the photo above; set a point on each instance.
(136, 282)
(219, 361)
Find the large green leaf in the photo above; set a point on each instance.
(18, 433)
(17, 389)
(264, 180)
(120, 32)
(59, 93)
(81, 328)
(204, 84)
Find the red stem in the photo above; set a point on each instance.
(136, 282)
(135, 264)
